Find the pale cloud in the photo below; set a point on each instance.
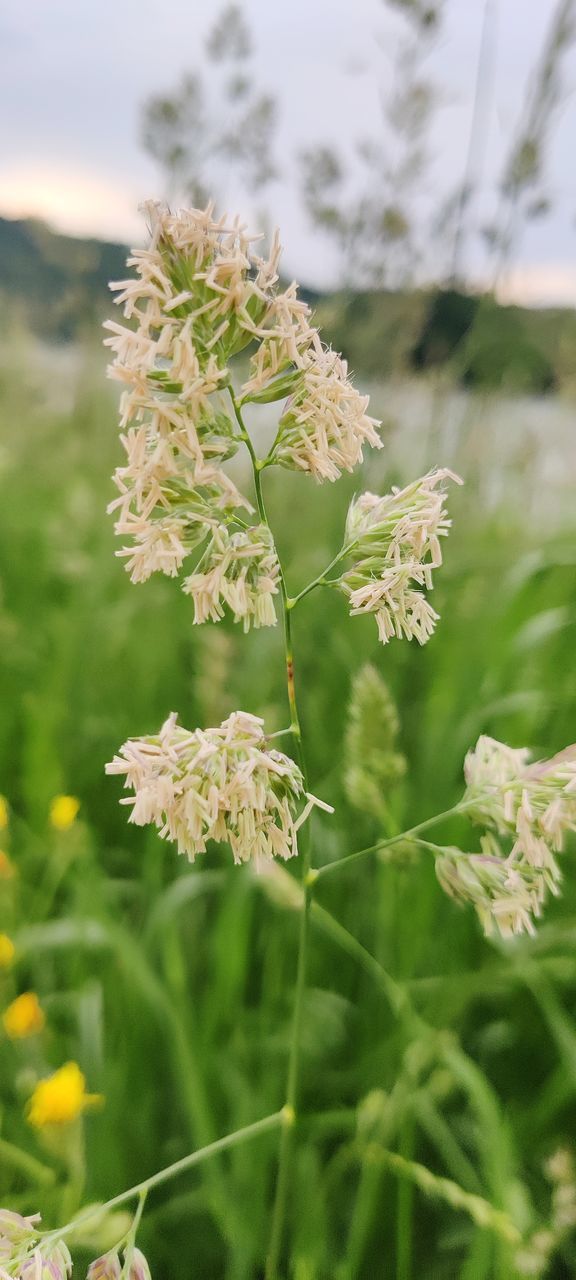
(540, 284)
(82, 204)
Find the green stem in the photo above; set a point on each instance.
(130, 1243)
(317, 873)
(172, 1170)
(292, 1083)
(321, 580)
(396, 995)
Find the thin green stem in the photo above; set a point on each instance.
(172, 1170)
(318, 873)
(130, 1243)
(322, 580)
(256, 464)
(292, 1083)
(396, 995)
(287, 1138)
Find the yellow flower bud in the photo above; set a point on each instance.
(63, 811)
(60, 1098)
(24, 1017)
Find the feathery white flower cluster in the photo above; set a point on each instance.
(23, 1255)
(286, 336)
(507, 896)
(324, 425)
(529, 806)
(200, 294)
(216, 784)
(196, 297)
(240, 570)
(395, 541)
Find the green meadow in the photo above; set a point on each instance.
(439, 1068)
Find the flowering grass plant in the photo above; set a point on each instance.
(200, 304)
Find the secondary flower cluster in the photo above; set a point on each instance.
(216, 784)
(240, 570)
(526, 810)
(25, 1255)
(395, 542)
(199, 296)
(324, 425)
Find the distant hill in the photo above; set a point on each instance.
(57, 286)
(482, 343)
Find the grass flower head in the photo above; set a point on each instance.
(47, 1262)
(216, 784)
(240, 571)
(108, 1267)
(325, 426)
(526, 810)
(395, 543)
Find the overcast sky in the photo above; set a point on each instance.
(75, 73)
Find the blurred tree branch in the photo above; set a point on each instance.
(214, 121)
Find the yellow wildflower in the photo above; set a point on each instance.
(7, 951)
(3, 812)
(60, 1098)
(63, 811)
(24, 1017)
(7, 868)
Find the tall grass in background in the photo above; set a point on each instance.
(170, 986)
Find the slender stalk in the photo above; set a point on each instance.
(131, 1235)
(396, 995)
(321, 580)
(476, 141)
(141, 1189)
(292, 1083)
(318, 873)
